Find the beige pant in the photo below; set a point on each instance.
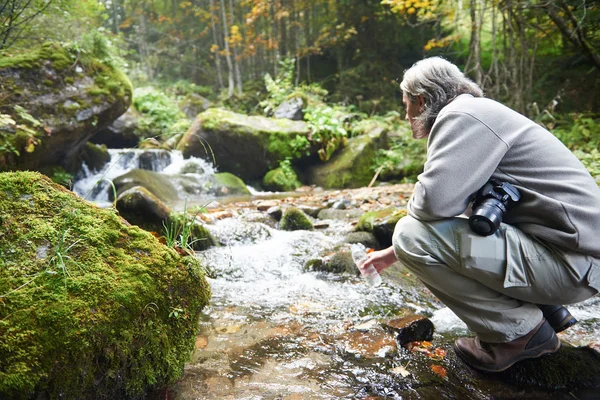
(493, 283)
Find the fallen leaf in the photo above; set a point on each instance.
(401, 371)
(438, 354)
(439, 370)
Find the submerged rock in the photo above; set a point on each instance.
(92, 307)
(412, 328)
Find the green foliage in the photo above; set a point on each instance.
(159, 113)
(280, 88)
(581, 134)
(184, 87)
(327, 127)
(404, 159)
(179, 230)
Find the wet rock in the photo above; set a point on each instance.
(312, 211)
(192, 168)
(293, 219)
(373, 343)
(158, 184)
(343, 215)
(259, 217)
(275, 212)
(264, 205)
(569, 368)
(410, 329)
(154, 160)
(365, 238)
(140, 207)
(341, 204)
(339, 262)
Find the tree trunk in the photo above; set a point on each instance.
(216, 41)
(115, 16)
(238, 74)
(474, 60)
(227, 51)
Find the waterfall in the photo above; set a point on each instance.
(95, 186)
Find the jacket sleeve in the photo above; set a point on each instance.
(462, 154)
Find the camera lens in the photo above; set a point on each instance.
(486, 218)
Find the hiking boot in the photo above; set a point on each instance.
(558, 316)
(496, 357)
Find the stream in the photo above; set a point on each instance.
(274, 330)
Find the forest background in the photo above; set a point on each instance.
(538, 57)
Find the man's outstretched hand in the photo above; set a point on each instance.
(381, 259)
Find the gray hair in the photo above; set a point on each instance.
(439, 82)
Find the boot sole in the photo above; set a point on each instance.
(529, 354)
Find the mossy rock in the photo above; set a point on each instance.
(92, 307)
(281, 180)
(247, 146)
(158, 184)
(293, 220)
(49, 124)
(140, 207)
(225, 183)
(352, 166)
(338, 263)
(381, 223)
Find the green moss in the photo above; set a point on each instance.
(231, 182)
(389, 215)
(353, 165)
(294, 219)
(281, 179)
(98, 324)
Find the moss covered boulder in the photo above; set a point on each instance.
(381, 223)
(281, 180)
(353, 166)
(293, 219)
(247, 146)
(55, 100)
(91, 307)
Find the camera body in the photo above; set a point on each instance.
(490, 203)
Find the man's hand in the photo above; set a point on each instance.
(381, 259)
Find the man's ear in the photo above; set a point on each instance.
(421, 103)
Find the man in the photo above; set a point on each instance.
(545, 252)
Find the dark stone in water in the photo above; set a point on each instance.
(411, 328)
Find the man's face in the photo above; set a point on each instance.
(413, 110)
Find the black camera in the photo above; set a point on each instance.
(490, 203)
